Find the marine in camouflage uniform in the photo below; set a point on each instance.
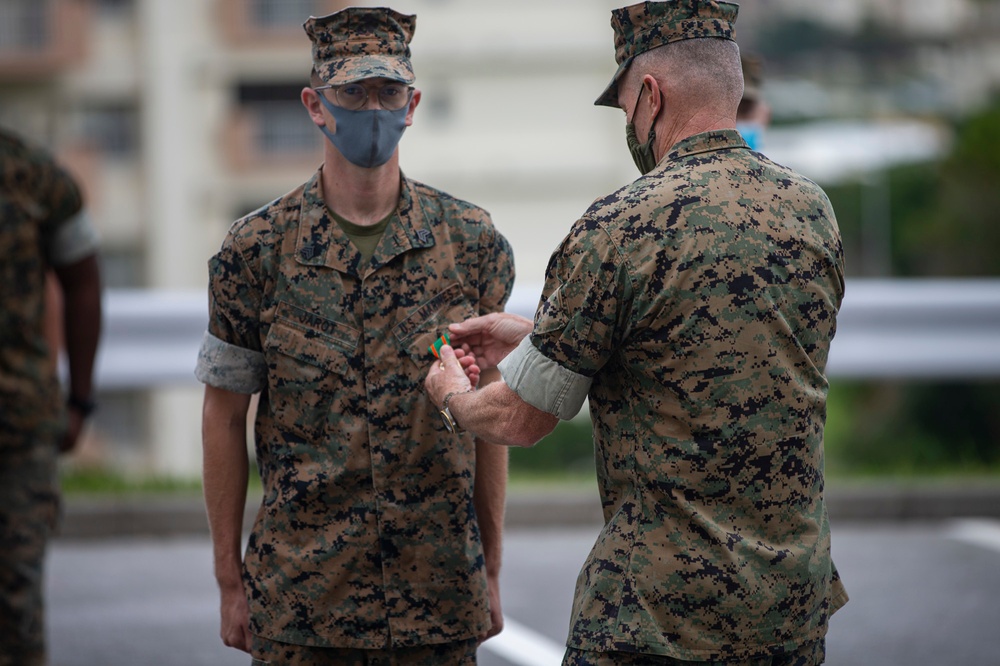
(369, 542)
(42, 227)
(695, 308)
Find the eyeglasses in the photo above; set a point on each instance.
(354, 96)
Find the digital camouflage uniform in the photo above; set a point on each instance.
(367, 535)
(695, 308)
(41, 226)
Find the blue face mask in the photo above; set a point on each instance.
(753, 134)
(367, 137)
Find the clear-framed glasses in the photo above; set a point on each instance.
(354, 96)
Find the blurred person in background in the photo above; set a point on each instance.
(44, 230)
(753, 116)
(378, 540)
(694, 308)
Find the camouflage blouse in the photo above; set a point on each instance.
(41, 226)
(695, 308)
(366, 536)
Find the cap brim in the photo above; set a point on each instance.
(610, 95)
(348, 70)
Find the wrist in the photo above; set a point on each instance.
(84, 406)
(452, 394)
(230, 580)
(450, 423)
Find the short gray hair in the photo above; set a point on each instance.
(705, 71)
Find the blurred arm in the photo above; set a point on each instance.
(80, 283)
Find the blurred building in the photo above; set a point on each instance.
(876, 57)
(181, 115)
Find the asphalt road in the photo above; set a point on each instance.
(922, 594)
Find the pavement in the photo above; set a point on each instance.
(96, 517)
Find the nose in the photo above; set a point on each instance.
(372, 101)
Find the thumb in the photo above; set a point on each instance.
(453, 369)
(447, 355)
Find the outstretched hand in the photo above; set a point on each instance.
(491, 337)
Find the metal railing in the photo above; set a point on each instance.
(941, 328)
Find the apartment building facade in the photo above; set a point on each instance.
(179, 116)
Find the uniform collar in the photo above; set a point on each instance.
(322, 242)
(707, 142)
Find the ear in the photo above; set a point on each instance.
(413, 106)
(655, 99)
(310, 100)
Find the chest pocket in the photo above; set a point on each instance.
(429, 321)
(308, 359)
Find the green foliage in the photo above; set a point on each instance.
(954, 228)
(567, 452)
(945, 216)
(912, 428)
(977, 146)
(101, 481)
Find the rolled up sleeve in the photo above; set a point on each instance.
(74, 240)
(229, 367)
(543, 383)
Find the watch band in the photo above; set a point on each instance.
(450, 424)
(447, 398)
(85, 407)
(449, 421)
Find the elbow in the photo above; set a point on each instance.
(525, 433)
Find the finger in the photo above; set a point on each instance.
(448, 358)
(471, 326)
(469, 366)
(247, 640)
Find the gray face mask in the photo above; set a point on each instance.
(367, 137)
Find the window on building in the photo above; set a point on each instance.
(281, 13)
(23, 25)
(116, 7)
(112, 129)
(279, 123)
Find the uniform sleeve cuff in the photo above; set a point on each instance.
(543, 383)
(229, 367)
(75, 239)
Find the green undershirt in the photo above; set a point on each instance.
(365, 238)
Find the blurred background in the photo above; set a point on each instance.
(178, 116)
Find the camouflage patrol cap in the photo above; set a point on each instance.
(648, 25)
(362, 43)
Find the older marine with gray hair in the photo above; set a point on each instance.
(695, 308)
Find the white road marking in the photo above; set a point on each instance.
(979, 532)
(524, 647)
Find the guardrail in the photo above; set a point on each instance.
(941, 328)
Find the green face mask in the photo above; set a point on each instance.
(642, 153)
